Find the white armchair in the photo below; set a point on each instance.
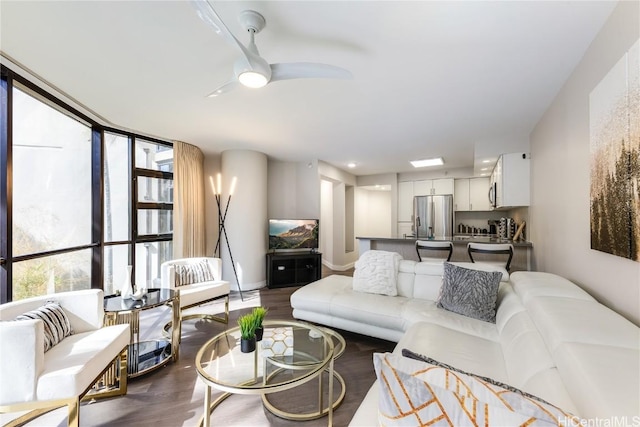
(37, 381)
(197, 293)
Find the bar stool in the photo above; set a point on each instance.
(434, 246)
(491, 248)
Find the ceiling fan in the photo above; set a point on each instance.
(251, 70)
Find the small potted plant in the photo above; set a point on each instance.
(258, 315)
(247, 333)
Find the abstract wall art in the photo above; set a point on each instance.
(614, 120)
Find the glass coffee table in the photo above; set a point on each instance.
(222, 366)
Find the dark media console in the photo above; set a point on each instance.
(293, 268)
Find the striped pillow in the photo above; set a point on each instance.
(56, 323)
(193, 273)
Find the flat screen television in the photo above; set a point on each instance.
(292, 234)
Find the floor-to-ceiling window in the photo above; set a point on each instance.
(78, 202)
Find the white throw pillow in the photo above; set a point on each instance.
(376, 272)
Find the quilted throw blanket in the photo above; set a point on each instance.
(376, 272)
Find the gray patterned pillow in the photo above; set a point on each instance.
(472, 293)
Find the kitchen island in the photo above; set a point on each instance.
(522, 250)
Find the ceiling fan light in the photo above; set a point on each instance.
(252, 79)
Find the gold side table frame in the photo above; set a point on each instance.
(121, 311)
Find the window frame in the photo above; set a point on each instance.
(98, 244)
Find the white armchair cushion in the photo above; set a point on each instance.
(56, 323)
(72, 365)
(197, 292)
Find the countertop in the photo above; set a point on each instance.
(461, 239)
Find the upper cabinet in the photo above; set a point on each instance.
(510, 181)
(405, 200)
(429, 187)
(479, 194)
(407, 190)
(461, 195)
(472, 194)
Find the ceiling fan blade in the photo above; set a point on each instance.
(207, 13)
(307, 70)
(228, 86)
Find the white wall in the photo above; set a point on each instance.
(390, 179)
(337, 257)
(373, 213)
(326, 221)
(560, 177)
(246, 219)
(293, 190)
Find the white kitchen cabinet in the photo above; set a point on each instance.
(479, 194)
(405, 201)
(510, 180)
(461, 195)
(427, 187)
(472, 194)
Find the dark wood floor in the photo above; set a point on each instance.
(174, 395)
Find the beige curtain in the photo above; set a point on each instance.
(188, 203)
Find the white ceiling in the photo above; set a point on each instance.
(432, 79)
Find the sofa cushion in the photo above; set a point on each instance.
(416, 310)
(531, 284)
(317, 296)
(56, 323)
(71, 366)
(472, 293)
(412, 355)
(186, 274)
(369, 309)
(466, 351)
(561, 320)
(197, 293)
(376, 272)
(413, 392)
(602, 379)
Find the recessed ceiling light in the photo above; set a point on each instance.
(427, 162)
(484, 169)
(351, 165)
(486, 161)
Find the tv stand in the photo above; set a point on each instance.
(293, 268)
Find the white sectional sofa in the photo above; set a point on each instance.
(550, 339)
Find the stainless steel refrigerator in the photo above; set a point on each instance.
(433, 217)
